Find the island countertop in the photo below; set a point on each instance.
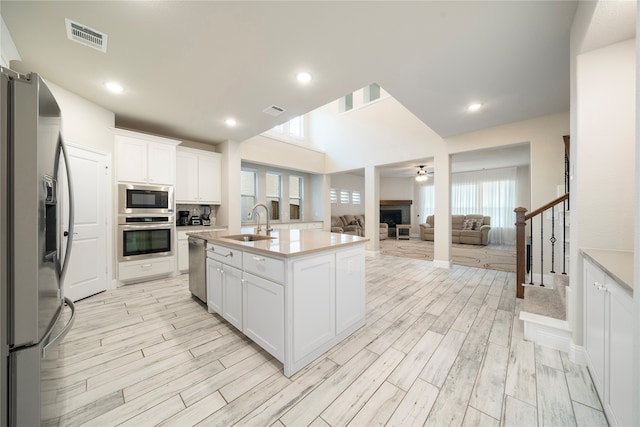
(284, 243)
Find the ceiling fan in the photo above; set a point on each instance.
(423, 174)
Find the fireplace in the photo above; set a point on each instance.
(391, 217)
(393, 212)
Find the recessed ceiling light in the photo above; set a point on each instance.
(474, 107)
(114, 87)
(231, 122)
(304, 77)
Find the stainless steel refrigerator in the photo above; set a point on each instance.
(35, 242)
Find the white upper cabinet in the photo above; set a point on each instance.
(198, 176)
(145, 159)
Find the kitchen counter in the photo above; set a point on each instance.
(617, 264)
(296, 295)
(285, 243)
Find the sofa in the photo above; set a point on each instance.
(468, 229)
(384, 230)
(348, 224)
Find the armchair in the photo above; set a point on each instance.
(384, 230)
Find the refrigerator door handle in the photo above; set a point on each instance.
(54, 341)
(69, 233)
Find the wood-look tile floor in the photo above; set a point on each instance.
(440, 347)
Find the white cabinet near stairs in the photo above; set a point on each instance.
(608, 340)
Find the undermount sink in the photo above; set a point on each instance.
(247, 237)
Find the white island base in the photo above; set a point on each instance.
(294, 305)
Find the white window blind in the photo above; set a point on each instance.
(355, 197)
(344, 197)
(333, 195)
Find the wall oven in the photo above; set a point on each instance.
(145, 236)
(144, 199)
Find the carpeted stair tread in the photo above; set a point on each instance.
(546, 301)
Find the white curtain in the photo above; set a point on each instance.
(488, 192)
(426, 203)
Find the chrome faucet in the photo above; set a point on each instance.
(266, 213)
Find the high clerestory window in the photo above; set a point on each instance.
(293, 129)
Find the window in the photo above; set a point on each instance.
(248, 192)
(371, 93)
(296, 190)
(273, 194)
(355, 197)
(344, 197)
(296, 127)
(333, 196)
(293, 129)
(346, 103)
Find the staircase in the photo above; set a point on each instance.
(541, 269)
(545, 314)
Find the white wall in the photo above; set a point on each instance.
(605, 135)
(84, 122)
(606, 142)
(380, 133)
(396, 188)
(523, 189)
(269, 151)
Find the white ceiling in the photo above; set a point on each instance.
(188, 65)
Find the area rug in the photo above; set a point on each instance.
(468, 255)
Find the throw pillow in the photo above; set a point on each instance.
(478, 223)
(360, 222)
(354, 222)
(468, 224)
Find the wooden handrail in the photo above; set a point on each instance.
(521, 221)
(545, 207)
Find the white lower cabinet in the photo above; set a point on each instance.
(183, 255)
(264, 314)
(350, 289)
(295, 308)
(232, 295)
(130, 271)
(313, 302)
(608, 342)
(214, 286)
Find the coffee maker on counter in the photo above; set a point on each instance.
(183, 217)
(195, 218)
(206, 212)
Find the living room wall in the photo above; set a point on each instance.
(349, 182)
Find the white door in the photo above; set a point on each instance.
(87, 273)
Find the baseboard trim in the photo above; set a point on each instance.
(441, 264)
(578, 354)
(368, 252)
(546, 331)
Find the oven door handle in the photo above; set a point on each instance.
(146, 226)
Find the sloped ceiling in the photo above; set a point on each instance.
(187, 66)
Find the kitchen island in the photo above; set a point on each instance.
(296, 293)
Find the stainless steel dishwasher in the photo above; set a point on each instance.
(198, 268)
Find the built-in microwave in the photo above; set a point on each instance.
(144, 199)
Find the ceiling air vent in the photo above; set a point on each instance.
(86, 36)
(274, 110)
